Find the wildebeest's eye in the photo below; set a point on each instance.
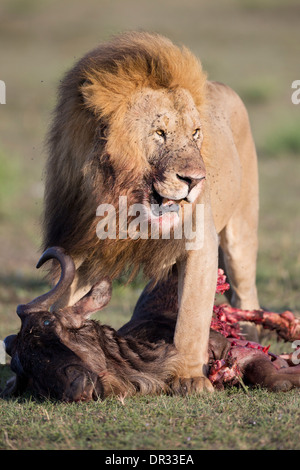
(47, 322)
(196, 133)
(161, 133)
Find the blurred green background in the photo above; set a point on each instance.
(252, 45)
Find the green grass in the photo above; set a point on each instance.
(230, 419)
(253, 47)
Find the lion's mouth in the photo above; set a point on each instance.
(160, 205)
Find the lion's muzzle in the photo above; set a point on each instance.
(176, 188)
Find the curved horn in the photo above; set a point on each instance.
(44, 302)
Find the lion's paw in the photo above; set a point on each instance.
(191, 386)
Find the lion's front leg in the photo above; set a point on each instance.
(197, 278)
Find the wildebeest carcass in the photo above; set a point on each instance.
(67, 356)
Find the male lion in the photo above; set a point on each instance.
(136, 117)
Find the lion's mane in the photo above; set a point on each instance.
(88, 162)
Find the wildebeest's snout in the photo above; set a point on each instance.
(79, 384)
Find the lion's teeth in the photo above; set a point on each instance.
(166, 201)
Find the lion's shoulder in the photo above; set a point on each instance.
(225, 103)
(224, 96)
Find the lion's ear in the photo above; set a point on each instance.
(84, 83)
(87, 97)
(94, 96)
(106, 93)
(85, 92)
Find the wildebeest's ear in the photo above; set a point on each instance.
(96, 299)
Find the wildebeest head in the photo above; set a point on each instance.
(40, 355)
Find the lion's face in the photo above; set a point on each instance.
(127, 127)
(162, 129)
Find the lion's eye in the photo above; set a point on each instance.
(161, 133)
(196, 134)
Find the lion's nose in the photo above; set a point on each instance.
(194, 184)
(191, 181)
